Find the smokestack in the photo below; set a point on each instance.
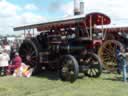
(81, 7)
(76, 7)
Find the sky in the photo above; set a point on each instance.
(21, 12)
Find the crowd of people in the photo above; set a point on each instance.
(11, 63)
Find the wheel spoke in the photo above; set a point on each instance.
(108, 53)
(69, 68)
(24, 50)
(33, 57)
(94, 72)
(28, 53)
(107, 50)
(33, 53)
(95, 66)
(91, 62)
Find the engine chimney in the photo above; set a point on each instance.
(76, 7)
(81, 7)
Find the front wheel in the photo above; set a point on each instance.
(69, 68)
(91, 64)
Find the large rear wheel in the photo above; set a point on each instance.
(30, 54)
(108, 54)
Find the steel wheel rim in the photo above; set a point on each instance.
(67, 69)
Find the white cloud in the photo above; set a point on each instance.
(54, 5)
(115, 9)
(67, 9)
(7, 9)
(30, 7)
(29, 18)
(10, 17)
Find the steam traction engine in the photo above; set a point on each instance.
(64, 45)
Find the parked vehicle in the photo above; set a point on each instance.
(65, 45)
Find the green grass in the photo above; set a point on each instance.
(50, 85)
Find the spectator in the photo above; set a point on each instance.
(24, 71)
(16, 63)
(8, 48)
(6, 45)
(12, 53)
(4, 61)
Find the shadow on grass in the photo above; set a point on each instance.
(53, 75)
(114, 79)
(113, 76)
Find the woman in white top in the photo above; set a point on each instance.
(4, 61)
(7, 48)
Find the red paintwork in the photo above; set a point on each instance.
(97, 42)
(97, 19)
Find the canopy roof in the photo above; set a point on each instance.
(95, 19)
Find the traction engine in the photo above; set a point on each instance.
(65, 46)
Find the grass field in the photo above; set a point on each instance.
(50, 85)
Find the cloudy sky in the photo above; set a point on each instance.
(19, 12)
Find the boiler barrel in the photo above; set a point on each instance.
(69, 48)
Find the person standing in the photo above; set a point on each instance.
(4, 61)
